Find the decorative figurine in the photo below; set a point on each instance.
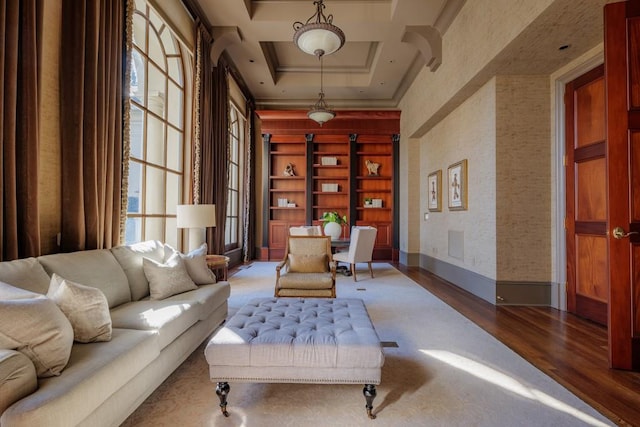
(372, 167)
(288, 170)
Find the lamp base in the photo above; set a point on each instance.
(196, 237)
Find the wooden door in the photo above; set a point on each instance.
(586, 222)
(622, 82)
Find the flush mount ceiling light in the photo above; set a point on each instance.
(320, 112)
(318, 36)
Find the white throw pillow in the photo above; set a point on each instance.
(169, 278)
(86, 308)
(37, 328)
(196, 264)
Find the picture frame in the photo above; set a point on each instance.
(434, 191)
(457, 186)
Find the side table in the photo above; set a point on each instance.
(218, 262)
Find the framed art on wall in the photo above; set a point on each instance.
(434, 191)
(457, 186)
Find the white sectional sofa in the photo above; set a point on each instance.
(104, 382)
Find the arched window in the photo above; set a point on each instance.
(237, 133)
(157, 130)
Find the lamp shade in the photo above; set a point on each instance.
(196, 216)
(319, 39)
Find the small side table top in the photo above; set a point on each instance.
(216, 262)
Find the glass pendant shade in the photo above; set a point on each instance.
(319, 39)
(320, 113)
(318, 36)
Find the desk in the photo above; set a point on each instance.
(218, 262)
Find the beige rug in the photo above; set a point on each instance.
(445, 371)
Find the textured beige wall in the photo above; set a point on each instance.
(469, 133)
(523, 179)
(49, 179)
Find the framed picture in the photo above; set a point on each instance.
(434, 191)
(457, 186)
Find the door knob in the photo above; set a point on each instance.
(619, 233)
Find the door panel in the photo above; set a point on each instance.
(586, 178)
(622, 82)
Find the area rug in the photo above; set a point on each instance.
(440, 370)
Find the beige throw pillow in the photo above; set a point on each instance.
(86, 308)
(169, 278)
(37, 328)
(196, 264)
(308, 263)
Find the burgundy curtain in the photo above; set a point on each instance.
(20, 43)
(91, 122)
(214, 142)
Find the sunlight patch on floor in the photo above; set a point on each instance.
(506, 382)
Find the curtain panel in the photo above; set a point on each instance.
(91, 91)
(20, 43)
(214, 141)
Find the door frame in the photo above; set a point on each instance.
(586, 63)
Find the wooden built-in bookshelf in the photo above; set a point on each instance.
(331, 174)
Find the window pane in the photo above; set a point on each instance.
(175, 110)
(171, 232)
(155, 141)
(175, 70)
(141, 5)
(155, 19)
(156, 53)
(157, 87)
(174, 149)
(174, 195)
(154, 191)
(233, 176)
(134, 191)
(136, 131)
(168, 41)
(138, 80)
(133, 231)
(139, 30)
(154, 229)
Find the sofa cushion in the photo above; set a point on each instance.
(17, 377)
(209, 297)
(37, 328)
(97, 268)
(8, 291)
(130, 258)
(168, 318)
(25, 273)
(95, 372)
(85, 307)
(196, 264)
(169, 278)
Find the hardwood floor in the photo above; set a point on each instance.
(571, 350)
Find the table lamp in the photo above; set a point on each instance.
(196, 218)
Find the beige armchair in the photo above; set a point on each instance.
(307, 269)
(363, 239)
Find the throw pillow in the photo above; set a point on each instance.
(196, 264)
(169, 278)
(86, 308)
(308, 263)
(37, 328)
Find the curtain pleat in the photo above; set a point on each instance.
(20, 40)
(214, 144)
(91, 123)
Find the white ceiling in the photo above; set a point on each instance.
(375, 66)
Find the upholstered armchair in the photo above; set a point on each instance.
(363, 239)
(307, 269)
(305, 230)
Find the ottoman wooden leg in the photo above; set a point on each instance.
(222, 390)
(369, 392)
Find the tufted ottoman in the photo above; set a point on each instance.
(295, 340)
